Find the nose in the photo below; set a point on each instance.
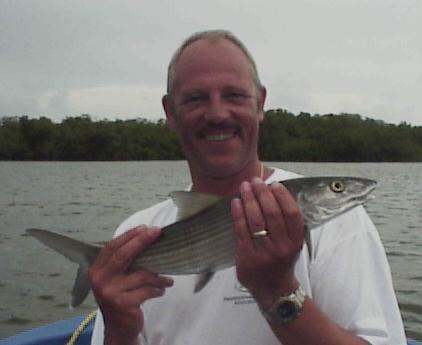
(217, 111)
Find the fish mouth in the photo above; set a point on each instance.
(366, 192)
(360, 198)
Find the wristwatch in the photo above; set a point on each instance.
(286, 308)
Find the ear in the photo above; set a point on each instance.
(262, 95)
(168, 106)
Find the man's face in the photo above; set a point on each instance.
(216, 108)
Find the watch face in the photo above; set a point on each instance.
(286, 310)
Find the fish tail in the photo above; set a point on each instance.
(82, 253)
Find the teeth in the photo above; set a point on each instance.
(219, 137)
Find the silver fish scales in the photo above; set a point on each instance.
(201, 241)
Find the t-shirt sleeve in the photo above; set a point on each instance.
(351, 280)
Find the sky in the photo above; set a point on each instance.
(61, 58)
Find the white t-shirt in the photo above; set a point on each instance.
(348, 278)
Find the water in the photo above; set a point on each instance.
(87, 200)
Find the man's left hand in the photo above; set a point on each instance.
(265, 264)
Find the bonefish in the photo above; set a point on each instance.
(201, 241)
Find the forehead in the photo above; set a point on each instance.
(212, 58)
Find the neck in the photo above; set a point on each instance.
(228, 185)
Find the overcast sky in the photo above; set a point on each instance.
(63, 58)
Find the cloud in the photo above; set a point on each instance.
(109, 58)
(117, 101)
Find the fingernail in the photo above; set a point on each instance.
(257, 180)
(168, 281)
(137, 229)
(275, 184)
(235, 206)
(153, 230)
(245, 186)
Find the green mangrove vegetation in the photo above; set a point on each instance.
(284, 136)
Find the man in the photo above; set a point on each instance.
(343, 294)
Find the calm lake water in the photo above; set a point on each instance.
(87, 200)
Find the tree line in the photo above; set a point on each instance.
(284, 136)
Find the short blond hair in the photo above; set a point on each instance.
(211, 35)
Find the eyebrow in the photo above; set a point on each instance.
(236, 89)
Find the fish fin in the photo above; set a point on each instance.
(81, 287)
(308, 241)
(82, 253)
(203, 280)
(191, 203)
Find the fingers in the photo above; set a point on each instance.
(252, 208)
(267, 207)
(265, 265)
(119, 253)
(145, 278)
(241, 229)
(271, 211)
(138, 287)
(109, 276)
(291, 212)
(120, 291)
(116, 243)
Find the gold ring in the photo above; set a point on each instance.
(259, 234)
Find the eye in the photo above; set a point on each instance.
(195, 99)
(234, 95)
(337, 186)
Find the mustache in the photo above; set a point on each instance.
(221, 126)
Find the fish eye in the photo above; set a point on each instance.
(337, 186)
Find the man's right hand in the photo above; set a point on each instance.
(119, 291)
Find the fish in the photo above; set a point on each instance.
(201, 240)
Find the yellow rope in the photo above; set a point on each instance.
(81, 327)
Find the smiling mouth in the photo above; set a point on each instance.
(219, 136)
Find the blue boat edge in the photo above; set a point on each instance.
(60, 332)
(56, 333)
